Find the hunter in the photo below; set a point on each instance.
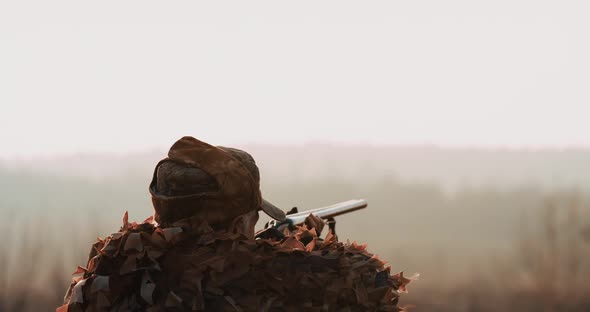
(199, 252)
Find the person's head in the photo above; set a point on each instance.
(218, 184)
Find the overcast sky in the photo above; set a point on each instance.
(106, 76)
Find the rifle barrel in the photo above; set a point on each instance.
(328, 211)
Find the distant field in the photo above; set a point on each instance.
(449, 169)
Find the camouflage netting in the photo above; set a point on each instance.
(191, 267)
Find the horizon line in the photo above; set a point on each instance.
(325, 144)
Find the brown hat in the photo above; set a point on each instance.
(235, 180)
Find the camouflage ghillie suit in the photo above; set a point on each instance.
(191, 267)
(191, 260)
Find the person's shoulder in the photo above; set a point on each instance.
(302, 270)
(115, 263)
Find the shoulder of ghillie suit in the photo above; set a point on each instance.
(191, 267)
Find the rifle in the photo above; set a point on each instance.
(274, 227)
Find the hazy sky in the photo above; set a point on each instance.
(83, 76)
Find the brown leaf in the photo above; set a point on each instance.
(315, 223)
(293, 243)
(173, 300)
(311, 245)
(134, 242)
(330, 238)
(361, 292)
(154, 253)
(233, 303)
(361, 248)
(92, 263)
(157, 238)
(102, 302)
(202, 228)
(80, 270)
(100, 282)
(63, 308)
(216, 263)
(147, 288)
(126, 221)
(149, 220)
(77, 294)
(403, 281)
(129, 265)
(169, 233)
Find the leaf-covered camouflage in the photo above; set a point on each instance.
(190, 267)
